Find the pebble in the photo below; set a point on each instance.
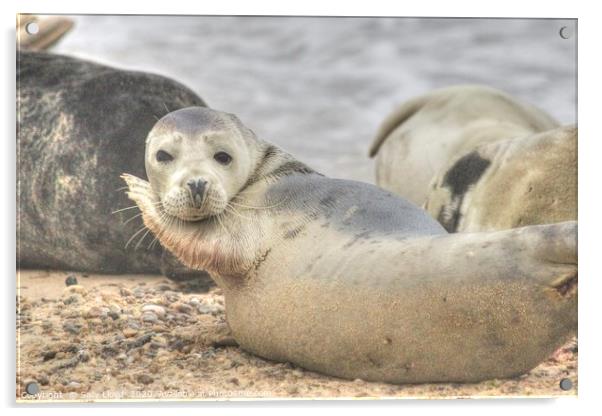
(97, 312)
(145, 379)
(182, 307)
(133, 325)
(76, 289)
(159, 328)
(43, 379)
(73, 385)
(84, 356)
(149, 317)
(156, 309)
(140, 341)
(130, 332)
(72, 299)
(70, 280)
(125, 292)
(207, 309)
(181, 317)
(72, 327)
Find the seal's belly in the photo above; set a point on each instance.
(393, 311)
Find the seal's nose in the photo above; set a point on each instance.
(197, 188)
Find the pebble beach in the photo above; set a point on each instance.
(142, 337)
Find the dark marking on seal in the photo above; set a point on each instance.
(290, 167)
(292, 233)
(260, 259)
(327, 200)
(464, 173)
(287, 168)
(364, 235)
(312, 216)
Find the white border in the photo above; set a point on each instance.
(589, 187)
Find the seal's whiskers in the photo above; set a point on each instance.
(132, 207)
(142, 239)
(124, 209)
(229, 208)
(130, 219)
(133, 236)
(255, 207)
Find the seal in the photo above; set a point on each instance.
(509, 183)
(420, 137)
(342, 277)
(75, 136)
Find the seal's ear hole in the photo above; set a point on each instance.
(222, 158)
(163, 156)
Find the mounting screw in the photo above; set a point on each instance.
(566, 384)
(32, 28)
(32, 388)
(565, 32)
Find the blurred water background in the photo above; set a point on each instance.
(319, 87)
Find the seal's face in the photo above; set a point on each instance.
(197, 159)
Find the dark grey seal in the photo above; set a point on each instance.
(79, 126)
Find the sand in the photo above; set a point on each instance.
(141, 337)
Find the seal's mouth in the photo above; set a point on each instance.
(185, 205)
(177, 204)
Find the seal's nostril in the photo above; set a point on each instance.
(197, 188)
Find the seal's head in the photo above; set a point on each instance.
(197, 159)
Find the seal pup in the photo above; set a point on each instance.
(420, 137)
(344, 278)
(509, 183)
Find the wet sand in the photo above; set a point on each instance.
(142, 337)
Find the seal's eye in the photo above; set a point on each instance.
(223, 158)
(163, 156)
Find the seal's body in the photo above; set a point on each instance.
(79, 125)
(344, 278)
(509, 183)
(417, 140)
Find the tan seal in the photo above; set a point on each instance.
(509, 183)
(346, 279)
(417, 140)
